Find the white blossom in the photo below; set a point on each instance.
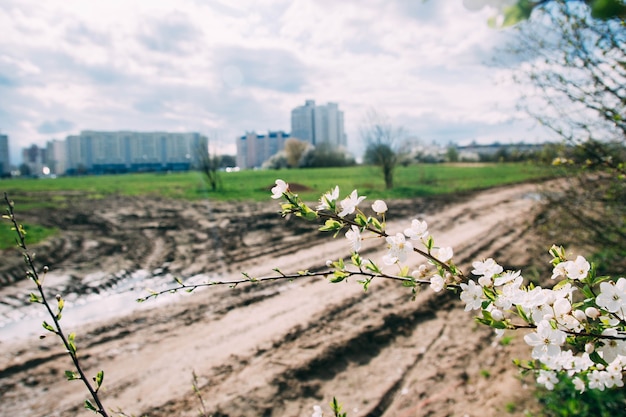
(579, 384)
(508, 276)
(437, 283)
(328, 198)
(486, 270)
(612, 296)
(545, 340)
(348, 204)
(472, 295)
(417, 231)
(354, 236)
(399, 249)
(548, 379)
(280, 189)
(577, 269)
(444, 254)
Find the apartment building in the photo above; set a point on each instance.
(253, 149)
(318, 124)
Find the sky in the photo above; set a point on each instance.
(222, 68)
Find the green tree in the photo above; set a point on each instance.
(511, 14)
(326, 155)
(452, 154)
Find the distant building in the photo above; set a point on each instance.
(56, 156)
(5, 163)
(475, 151)
(318, 124)
(34, 159)
(254, 149)
(126, 151)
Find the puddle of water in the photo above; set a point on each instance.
(22, 321)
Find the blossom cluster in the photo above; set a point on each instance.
(576, 328)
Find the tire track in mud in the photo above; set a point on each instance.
(342, 363)
(277, 349)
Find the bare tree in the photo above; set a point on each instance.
(383, 141)
(208, 164)
(294, 149)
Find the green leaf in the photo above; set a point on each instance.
(339, 264)
(376, 224)
(99, 378)
(331, 225)
(90, 406)
(71, 375)
(373, 267)
(356, 259)
(409, 283)
(339, 276)
(361, 220)
(365, 283)
(596, 358)
(522, 314)
(48, 327)
(306, 212)
(560, 284)
(71, 343)
(587, 291)
(34, 298)
(430, 243)
(608, 9)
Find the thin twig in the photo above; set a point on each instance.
(57, 329)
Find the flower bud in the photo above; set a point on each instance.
(497, 315)
(589, 348)
(592, 312)
(579, 315)
(58, 297)
(379, 207)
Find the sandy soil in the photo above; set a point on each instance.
(271, 349)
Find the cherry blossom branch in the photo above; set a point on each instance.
(247, 279)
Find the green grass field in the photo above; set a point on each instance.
(414, 181)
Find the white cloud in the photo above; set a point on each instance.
(226, 67)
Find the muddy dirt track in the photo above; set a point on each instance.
(271, 349)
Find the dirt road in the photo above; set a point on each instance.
(272, 349)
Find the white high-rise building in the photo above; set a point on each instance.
(254, 149)
(56, 156)
(318, 124)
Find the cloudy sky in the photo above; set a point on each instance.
(226, 67)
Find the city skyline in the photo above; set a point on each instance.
(222, 69)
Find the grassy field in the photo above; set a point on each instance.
(413, 181)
